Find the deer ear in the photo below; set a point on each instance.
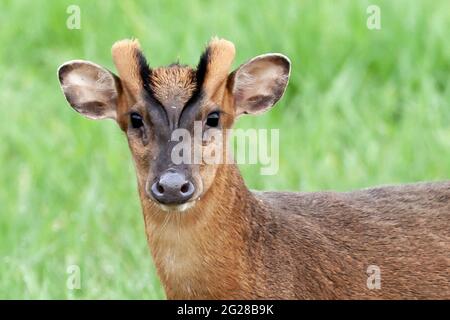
(90, 89)
(258, 84)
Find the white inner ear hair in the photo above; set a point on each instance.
(262, 79)
(87, 86)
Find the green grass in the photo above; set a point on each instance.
(363, 108)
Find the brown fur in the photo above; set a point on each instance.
(278, 245)
(236, 244)
(124, 57)
(221, 55)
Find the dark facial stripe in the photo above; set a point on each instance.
(156, 109)
(144, 71)
(200, 74)
(202, 68)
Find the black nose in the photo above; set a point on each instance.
(172, 188)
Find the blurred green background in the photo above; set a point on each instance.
(363, 107)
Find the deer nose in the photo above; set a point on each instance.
(172, 188)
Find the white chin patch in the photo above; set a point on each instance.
(178, 208)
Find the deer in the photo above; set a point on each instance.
(211, 237)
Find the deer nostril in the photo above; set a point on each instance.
(159, 188)
(185, 187)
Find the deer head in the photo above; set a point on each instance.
(150, 104)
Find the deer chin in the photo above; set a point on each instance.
(178, 208)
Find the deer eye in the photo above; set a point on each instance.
(213, 119)
(136, 120)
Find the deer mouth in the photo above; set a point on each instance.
(177, 208)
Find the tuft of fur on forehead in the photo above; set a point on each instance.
(173, 85)
(128, 58)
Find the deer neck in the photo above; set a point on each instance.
(205, 244)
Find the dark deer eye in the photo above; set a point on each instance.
(213, 119)
(136, 120)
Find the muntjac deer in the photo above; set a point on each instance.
(210, 237)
